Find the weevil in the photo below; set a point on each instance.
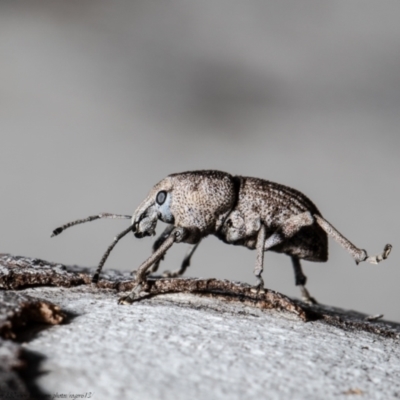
(251, 212)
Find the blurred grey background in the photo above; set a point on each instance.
(99, 100)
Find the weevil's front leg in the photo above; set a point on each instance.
(185, 263)
(359, 255)
(176, 235)
(300, 280)
(157, 244)
(258, 270)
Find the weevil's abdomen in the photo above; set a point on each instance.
(274, 204)
(310, 244)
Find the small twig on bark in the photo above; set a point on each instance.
(228, 291)
(21, 272)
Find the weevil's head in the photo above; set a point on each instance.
(197, 200)
(157, 205)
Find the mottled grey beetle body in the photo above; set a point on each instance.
(243, 211)
(271, 204)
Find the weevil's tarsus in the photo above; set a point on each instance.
(380, 257)
(132, 296)
(88, 219)
(96, 275)
(359, 255)
(306, 297)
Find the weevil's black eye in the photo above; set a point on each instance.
(161, 196)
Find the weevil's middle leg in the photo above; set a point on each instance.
(258, 270)
(185, 263)
(290, 227)
(157, 244)
(359, 255)
(300, 280)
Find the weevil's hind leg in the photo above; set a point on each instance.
(157, 244)
(359, 255)
(185, 263)
(88, 219)
(300, 280)
(258, 270)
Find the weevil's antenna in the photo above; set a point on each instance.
(88, 219)
(96, 275)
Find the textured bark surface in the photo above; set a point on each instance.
(185, 338)
(22, 272)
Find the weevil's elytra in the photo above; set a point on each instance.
(242, 211)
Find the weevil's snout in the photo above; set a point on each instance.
(145, 227)
(145, 223)
(141, 235)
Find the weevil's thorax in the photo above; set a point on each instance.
(198, 201)
(202, 199)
